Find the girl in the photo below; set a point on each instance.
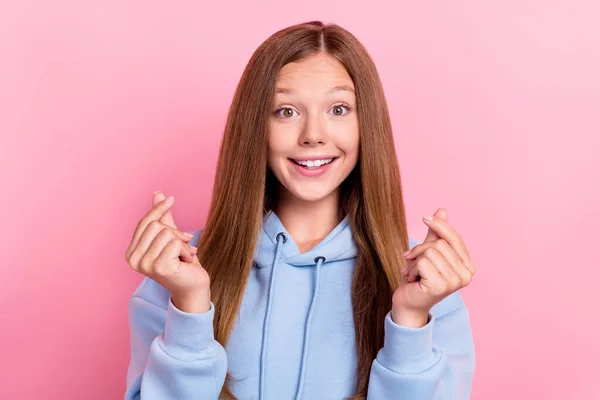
(300, 287)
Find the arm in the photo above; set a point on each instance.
(433, 362)
(173, 353)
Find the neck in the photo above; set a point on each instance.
(308, 221)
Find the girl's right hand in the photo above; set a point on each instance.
(160, 251)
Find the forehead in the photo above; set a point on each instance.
(312, 73)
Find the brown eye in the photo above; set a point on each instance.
(339, 109)
(287, 112)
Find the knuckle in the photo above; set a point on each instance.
(429, 252)
(134, 262)
(145, 263)
(456, 282)
(134, 266)
(168, 234)
(178, 231)
(472, 268)
(176, 243)
(155, 225)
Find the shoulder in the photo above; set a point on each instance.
(196, 238)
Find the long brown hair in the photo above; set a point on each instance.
(245, 189)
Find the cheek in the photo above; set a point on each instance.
(281, 140)
(349, 142)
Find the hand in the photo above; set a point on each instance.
(160, 251)
(436, 268)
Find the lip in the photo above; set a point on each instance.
(312, 158)
(313, 173)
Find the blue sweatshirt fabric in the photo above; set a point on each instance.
(294, 335)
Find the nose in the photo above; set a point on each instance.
(314, 132)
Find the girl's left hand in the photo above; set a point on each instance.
(436, 268)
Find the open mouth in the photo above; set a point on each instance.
(316, 164)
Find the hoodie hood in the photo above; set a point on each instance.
(338, 245)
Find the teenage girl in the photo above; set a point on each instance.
(300, 285)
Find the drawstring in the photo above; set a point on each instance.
(320, 262)
(263, 353)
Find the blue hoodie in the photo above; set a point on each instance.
(294, 335)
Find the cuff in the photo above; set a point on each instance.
(186, 335)
(407, 350)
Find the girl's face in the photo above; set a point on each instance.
(313, 118)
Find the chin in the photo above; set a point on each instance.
(311, 195)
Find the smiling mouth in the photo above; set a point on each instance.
(311, 164)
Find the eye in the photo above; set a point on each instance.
(338, 107)
(288, 112)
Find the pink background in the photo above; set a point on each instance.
(495, 106)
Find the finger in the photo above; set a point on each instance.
(446, 232)
(431, 233)
(186, 255)
(167, 218)
(465, 270)
(175, 257)
(169, 248)
(419, 249)
(412, 273)
(424, 251)
(460, 268)
(155, 213)
(447, 251)
(452, 279)
(155, 234)
(166, 258)
(175, 250)
(425, 272)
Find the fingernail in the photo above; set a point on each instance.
(169, 199)
(428, 217)
(187, 234)
(155, 192)
(406, 253)
(403, 270)
(194, 247)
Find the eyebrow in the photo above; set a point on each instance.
(333, 90)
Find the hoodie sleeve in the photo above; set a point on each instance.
(434, 362)
(173, 353)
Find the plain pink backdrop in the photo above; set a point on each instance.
(495, 107)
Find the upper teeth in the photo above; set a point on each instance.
(315, 163)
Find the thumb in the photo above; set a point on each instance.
(431, 234)
(167, 218)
